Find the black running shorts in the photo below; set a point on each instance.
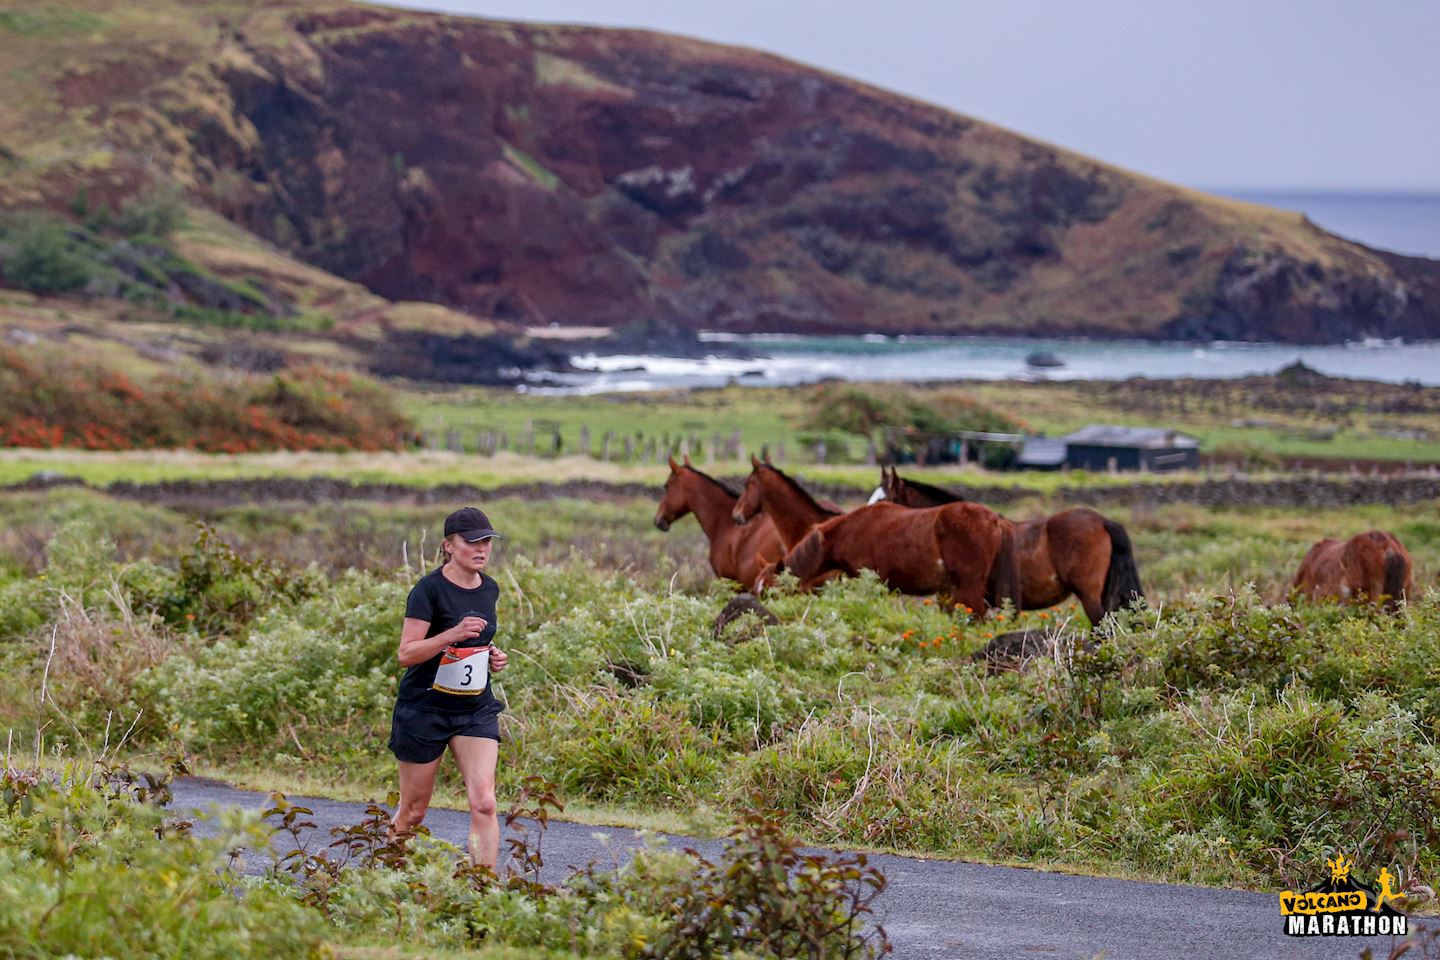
(418, 735)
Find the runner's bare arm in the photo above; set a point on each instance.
(498, 659)
(414, 648)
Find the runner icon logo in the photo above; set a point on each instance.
(1344, 907)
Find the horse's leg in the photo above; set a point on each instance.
(1078, 547)
(968, 543)
(1086, 579)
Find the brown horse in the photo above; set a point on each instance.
(798, 510)
(1077, 551)
(736, 552)
(1372, 566)
(963, 551)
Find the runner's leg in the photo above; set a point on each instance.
(476, 757)
(417, 783)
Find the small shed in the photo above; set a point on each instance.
(1041, 453)
(1108, 447)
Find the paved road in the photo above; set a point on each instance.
(941, 909)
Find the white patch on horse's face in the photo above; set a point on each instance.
(876, 497)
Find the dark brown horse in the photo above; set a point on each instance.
(1077, 551)
(736, 553)
(964, 552)
(1373, 566)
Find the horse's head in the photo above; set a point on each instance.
(881, 492)
(752, 498)
(894, 487)
(767, 575)
(675, 502)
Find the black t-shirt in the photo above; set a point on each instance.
(444, 604)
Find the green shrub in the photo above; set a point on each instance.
(91, 872)
(622, 750)
(326, 665)
(40, 253)
(23, 609)
(863, 778)
(868, 410)
(768, 899)
(158, 213)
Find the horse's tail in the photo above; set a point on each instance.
(1005, 574)
(1122, 579)
(1397, 570)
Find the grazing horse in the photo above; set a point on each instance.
(964, 552)
(1372, 566)
(736, 552)
(1077, 551)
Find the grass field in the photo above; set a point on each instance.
(591, 585)
(1236, 419)
(1220, 736)
(436, 467)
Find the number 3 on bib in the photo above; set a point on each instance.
(463, 670)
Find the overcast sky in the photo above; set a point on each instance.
(1221, 94)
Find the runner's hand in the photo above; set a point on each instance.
(470, 628)
(498, 659)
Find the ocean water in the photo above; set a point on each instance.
(1403, 223)
(784, 360)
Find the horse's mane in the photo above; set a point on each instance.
(803, 493)
(934, 492)
(722, 484)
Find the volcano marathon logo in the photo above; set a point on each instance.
(1344, 907)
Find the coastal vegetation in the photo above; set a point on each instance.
(1224, 734)
(95, 865)
(53, 399)
(1258, 422)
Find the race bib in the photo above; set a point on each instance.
(463, 670)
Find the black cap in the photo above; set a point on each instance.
(470, 524)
